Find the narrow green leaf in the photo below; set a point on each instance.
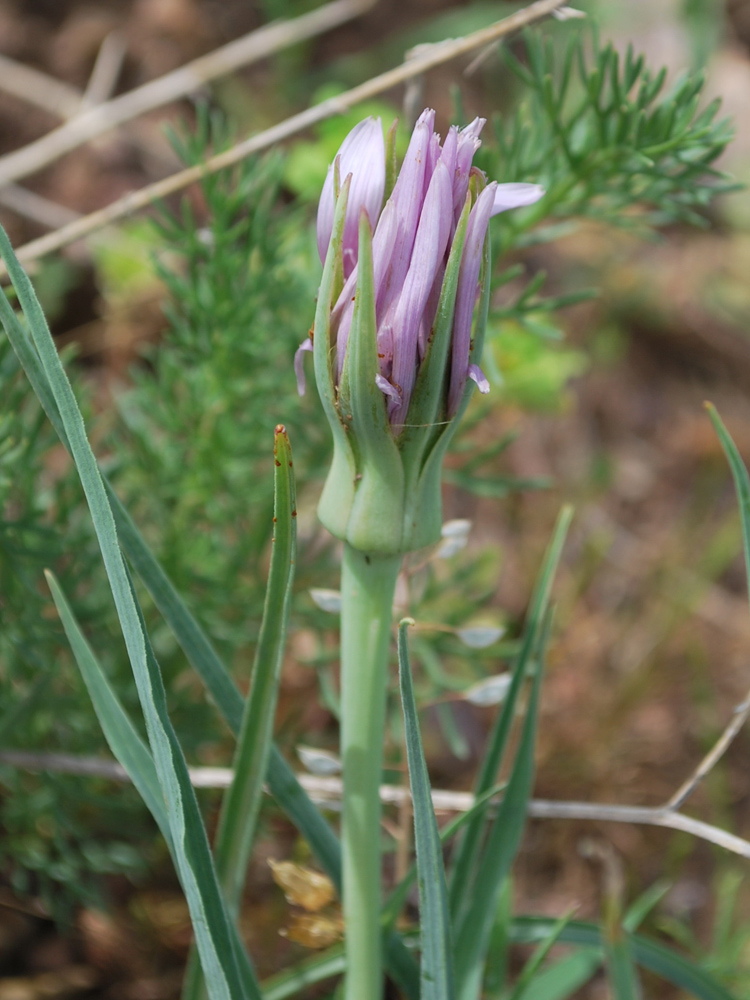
(314, 970)
(648, 954)
(189, 836)
(503, 840)
(741, 480)
(240, 809)
(127, 746)
(241, 803)
(560, 980)
(621, 970)
(526, 982)
(397, 900)
(498, 951)
(467, 856)
(643, 905)
(119, 732)
(437, 965)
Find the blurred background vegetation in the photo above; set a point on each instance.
(619, 307)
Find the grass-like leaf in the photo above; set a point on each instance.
(437, 964)
(648, 954)
(621, 969)
(466, 861)
(127, 746)
(525, 986)
(741, 480)
(398, 897)
(192, 853)
(560, 980)
(119, 732)
(503, 840)
(241, 803)
(329, 963)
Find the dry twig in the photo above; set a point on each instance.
(434, 56)
(36, 207)
(327, 791)
(739, 717)
(106, 71)
(101, 118)
(39, 89)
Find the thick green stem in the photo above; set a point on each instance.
(368, 583)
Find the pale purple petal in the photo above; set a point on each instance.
(385, 387)
(427, 258)
(385, 349)
(433, 155)
(516, 196)
(467, 145)
(299, 364)
(430, 311)
(362, 155)
(393, 238)
(397, 228)
(466, 294)
(476, 374)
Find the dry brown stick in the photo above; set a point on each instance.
(739, 717)
(175, 85)
(106, 71)
(328, 790)
(39, 89)
(437, 54)
(36, 207)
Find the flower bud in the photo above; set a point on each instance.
(396, 341)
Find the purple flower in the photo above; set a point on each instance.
(411, 244)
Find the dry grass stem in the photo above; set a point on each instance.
(328, 791)
(37, 208)
(435, 55)
(735, 724)
(173, 86)
(106, 71)
(39, 89)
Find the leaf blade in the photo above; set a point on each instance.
(188, 833)
(437, 964)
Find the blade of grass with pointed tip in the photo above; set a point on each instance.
(239, 812)
(241, 802)
(503, 840)
(126, 744)
(466, 860)
(120, 733)
(648, 954)
(196, 645)
(436, 966)
(526, 982)
(189, 836)
(741, 480)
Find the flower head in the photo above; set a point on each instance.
(395, 339)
